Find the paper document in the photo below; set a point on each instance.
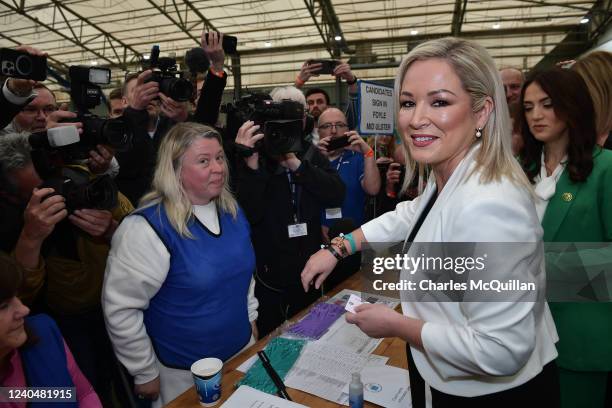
(343, 296)
(352, 302)
(350, 336)
(386, 386)
(247, 397)
(325, 369)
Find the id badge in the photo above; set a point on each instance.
(333, 213)
(298, 230)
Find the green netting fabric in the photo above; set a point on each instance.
(282, 354)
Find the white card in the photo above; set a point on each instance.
(298, 230)
(352, 302)
(333, 213)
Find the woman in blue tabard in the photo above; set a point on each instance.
(573, 182)
(178, 283)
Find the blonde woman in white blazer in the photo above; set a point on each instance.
(453, 117)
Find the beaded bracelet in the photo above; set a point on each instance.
(351, 240)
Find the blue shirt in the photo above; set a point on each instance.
(350, 167)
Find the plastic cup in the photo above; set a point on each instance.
(206, 375)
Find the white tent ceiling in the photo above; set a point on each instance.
(276, 36)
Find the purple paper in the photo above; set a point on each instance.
(316, 323)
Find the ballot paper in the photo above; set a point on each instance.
(386, 386)
(351, 337)
(343, 296)
(247, 397)
(325, 369)
(352, 302)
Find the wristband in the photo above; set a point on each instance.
(299, 82)
(333, 252)
(216, 73)
(391, 194)
(351, 240)
(370, 153)
(352, 82)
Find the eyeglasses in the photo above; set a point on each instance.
(339, 126)
(33, 111)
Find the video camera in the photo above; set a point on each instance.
(56, 152)
(20, 64)
(282, 122)
(170, 79)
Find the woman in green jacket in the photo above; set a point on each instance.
(572, 177)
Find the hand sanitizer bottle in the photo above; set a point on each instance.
(356, 392)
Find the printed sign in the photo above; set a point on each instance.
(376, 109)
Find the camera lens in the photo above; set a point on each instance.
(180, 89)
(117, 134)
(23, 65)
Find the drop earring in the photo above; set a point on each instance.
(478, 133)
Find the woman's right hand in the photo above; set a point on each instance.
(319, 266)
(149, 390)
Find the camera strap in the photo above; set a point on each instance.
(296, 192)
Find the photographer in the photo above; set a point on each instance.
(150, 114)
(63, 256)
(355, 164)
(283, 196)
(41, 113)
(17, 93)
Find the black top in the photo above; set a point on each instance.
(419, 222)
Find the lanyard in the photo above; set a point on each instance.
(339, 162)
(295, 197)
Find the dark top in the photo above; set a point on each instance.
(267, 199)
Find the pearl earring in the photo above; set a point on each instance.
(478, 133)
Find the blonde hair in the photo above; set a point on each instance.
(480, 79)
(167, 187)
(596, 70)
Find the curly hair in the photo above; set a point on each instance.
(572, 104)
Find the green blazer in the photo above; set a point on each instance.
(582, 212)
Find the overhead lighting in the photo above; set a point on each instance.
(414, 32)
(93, 62)
(496, 26)
(146, 56)
(584, 20)
(268, 44)
(338, 38)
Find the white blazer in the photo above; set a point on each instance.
(476, 348)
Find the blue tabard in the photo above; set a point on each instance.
(201, 308)
(44, 362)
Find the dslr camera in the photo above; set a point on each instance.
(282, 122)
(20, 64)
(69, 179)
(171, 81)
(86, 94)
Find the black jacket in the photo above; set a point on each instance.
(138, 164)
(266, 197)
